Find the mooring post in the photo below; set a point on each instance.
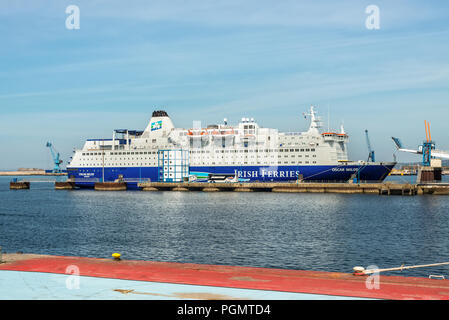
(1, 261)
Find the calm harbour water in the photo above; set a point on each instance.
(323, 232)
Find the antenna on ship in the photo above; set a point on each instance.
(342, 127)
(103, 161)
(315, 121)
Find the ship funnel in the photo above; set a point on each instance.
(160, 124)
(159, 113)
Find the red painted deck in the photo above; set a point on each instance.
(310, 282)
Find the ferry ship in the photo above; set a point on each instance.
(246, 151)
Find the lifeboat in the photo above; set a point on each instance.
(198, 132)
(219, 134)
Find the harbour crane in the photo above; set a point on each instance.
(427, 149)
(371, 155)
(55, 155)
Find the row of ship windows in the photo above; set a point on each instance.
(194, 157)
(202, 151)
(266, 150)
(284, 136)
(204, 163)
(115, 153)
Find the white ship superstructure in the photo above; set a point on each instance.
(247, 149)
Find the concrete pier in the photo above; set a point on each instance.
(399, 189)
(432, 189)
(180, 189)
(20, 185)
(346, 188)
(110, 186)
(64, 185)
(210, 189)
(31, 276)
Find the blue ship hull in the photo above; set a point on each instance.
(86, 177)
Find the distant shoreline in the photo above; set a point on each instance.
(30, 173)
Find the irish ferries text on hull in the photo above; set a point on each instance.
(246, 152)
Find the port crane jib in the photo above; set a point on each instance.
(371, 155)
(56, 159)
(427, 149)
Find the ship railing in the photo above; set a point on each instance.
(136, 180)
(127, 180)
(323, 181)
(339, 181)
(87, 180)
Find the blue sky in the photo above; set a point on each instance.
(207, 60)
